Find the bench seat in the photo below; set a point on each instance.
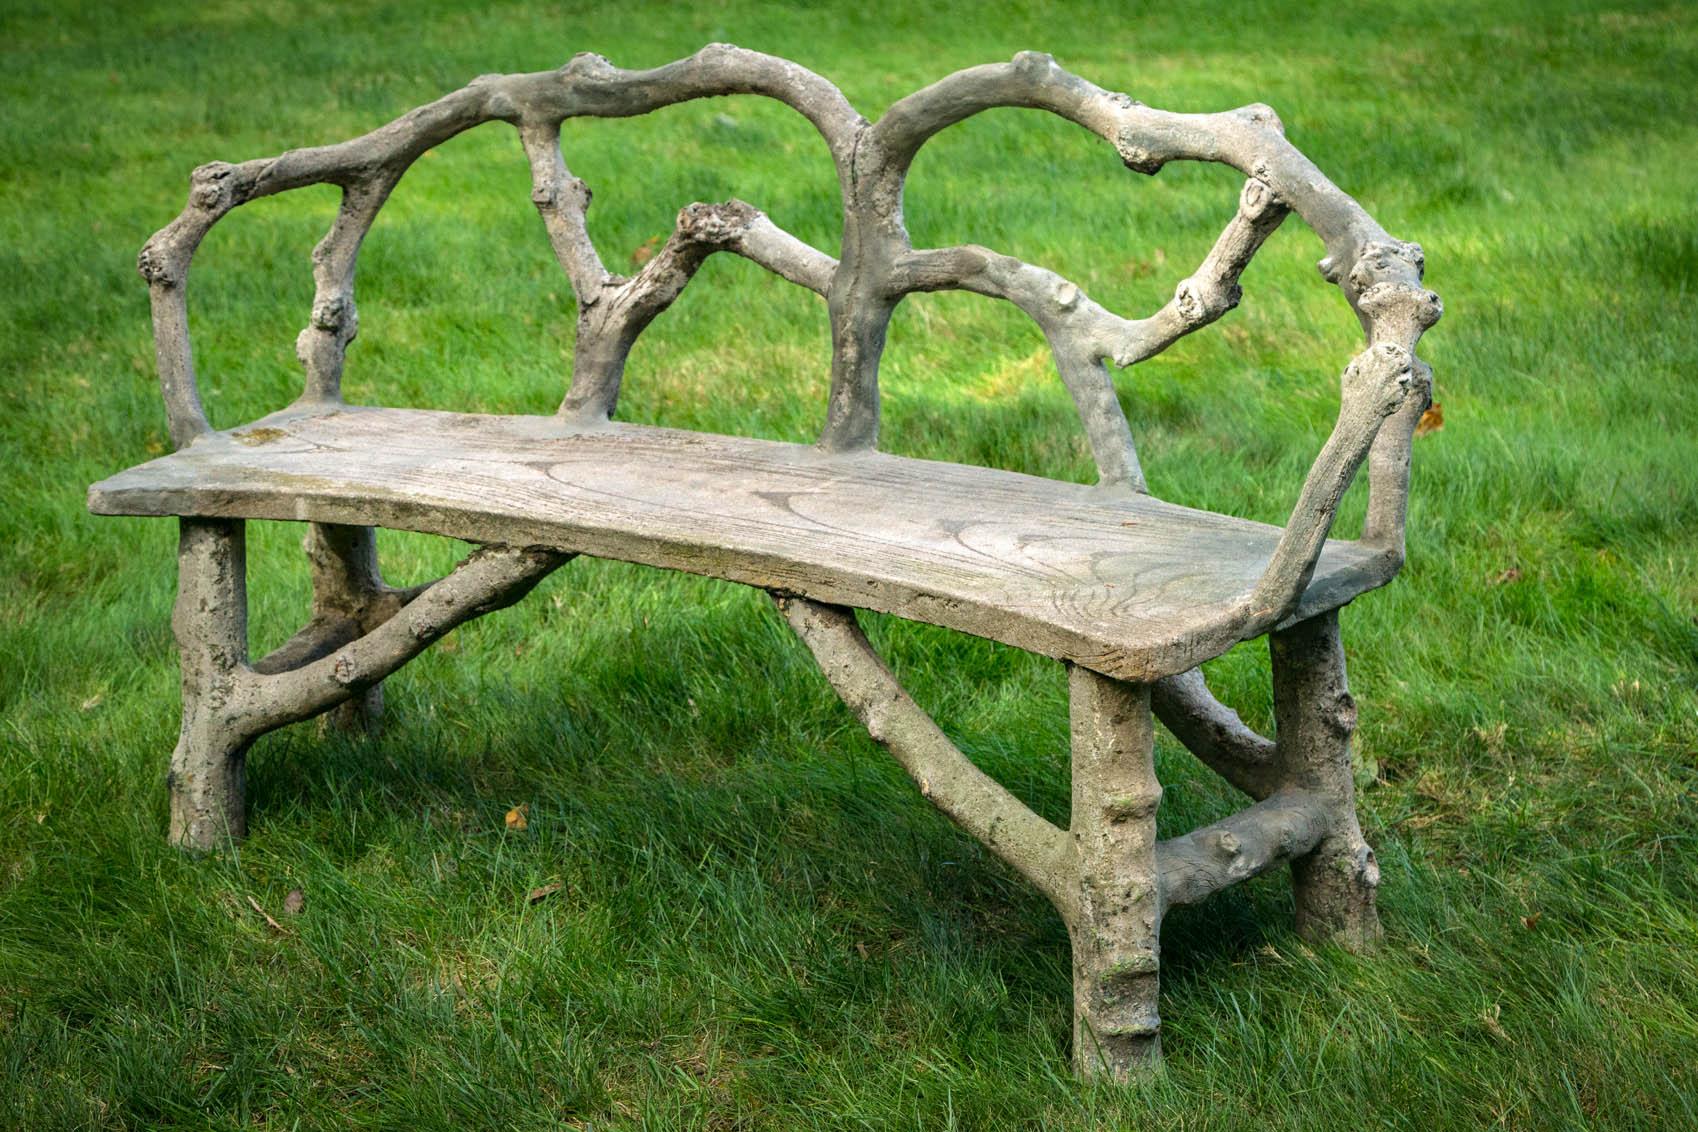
(1124, 584)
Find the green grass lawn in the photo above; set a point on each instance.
(761, 924)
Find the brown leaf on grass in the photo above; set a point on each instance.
(516, 817)
(1489, 1019)
(1531, 922)
(538, 894)
(295, 903)
(1513, 574)
(645, 251)
(269, 922)
(1431, 421)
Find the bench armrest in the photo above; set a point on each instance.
(1378, 383)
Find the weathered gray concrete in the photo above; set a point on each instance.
(1130, 592)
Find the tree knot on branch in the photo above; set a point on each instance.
(1256, 198)
(1418, 305)
(1263, 115)
(588, 65)
(1383, 261)
(1378, 379)
(1340, 715)
(715, 225)
(211, 187)
(1129, 142)
(1033, 64)
(159, 266)
(1198, 303)
(336, 314)
(1131, 807)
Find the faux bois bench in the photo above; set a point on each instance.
(1130, 592)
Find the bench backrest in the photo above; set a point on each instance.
(877, 264)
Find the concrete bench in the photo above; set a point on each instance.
(1130, 592)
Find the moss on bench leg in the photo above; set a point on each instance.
(1335, 883)
(211, 625)
(1115, 924)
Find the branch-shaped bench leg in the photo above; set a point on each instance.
(1315, 718)
(210, 621)
(350, 599)
(346, 582)
(228, 703)
(1116, 927)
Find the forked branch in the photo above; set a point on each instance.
(616, 310)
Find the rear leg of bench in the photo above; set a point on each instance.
(347, 585)
(340, 655)
(1301, 779)
(1315, 716)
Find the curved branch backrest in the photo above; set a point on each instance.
(878, 265)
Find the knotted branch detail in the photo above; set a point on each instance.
(877, 265)
(1107, 873)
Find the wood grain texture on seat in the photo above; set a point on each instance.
(1124, 584)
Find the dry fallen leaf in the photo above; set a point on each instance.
(93, 701)
(295, 902)
(542, 893)
(1489, 1019)
(1431, 421)
(645, 251)
(1531, 922)
(1513, 574)
(516, 817)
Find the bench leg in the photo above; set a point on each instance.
(347, 585)
(1315, 717)
(338, 656)
(1116, 924)
(211, 625)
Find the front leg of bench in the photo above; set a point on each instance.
(210, 621)
(1116, 925)
(332, 661)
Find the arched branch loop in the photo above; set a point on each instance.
(1385, 389)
